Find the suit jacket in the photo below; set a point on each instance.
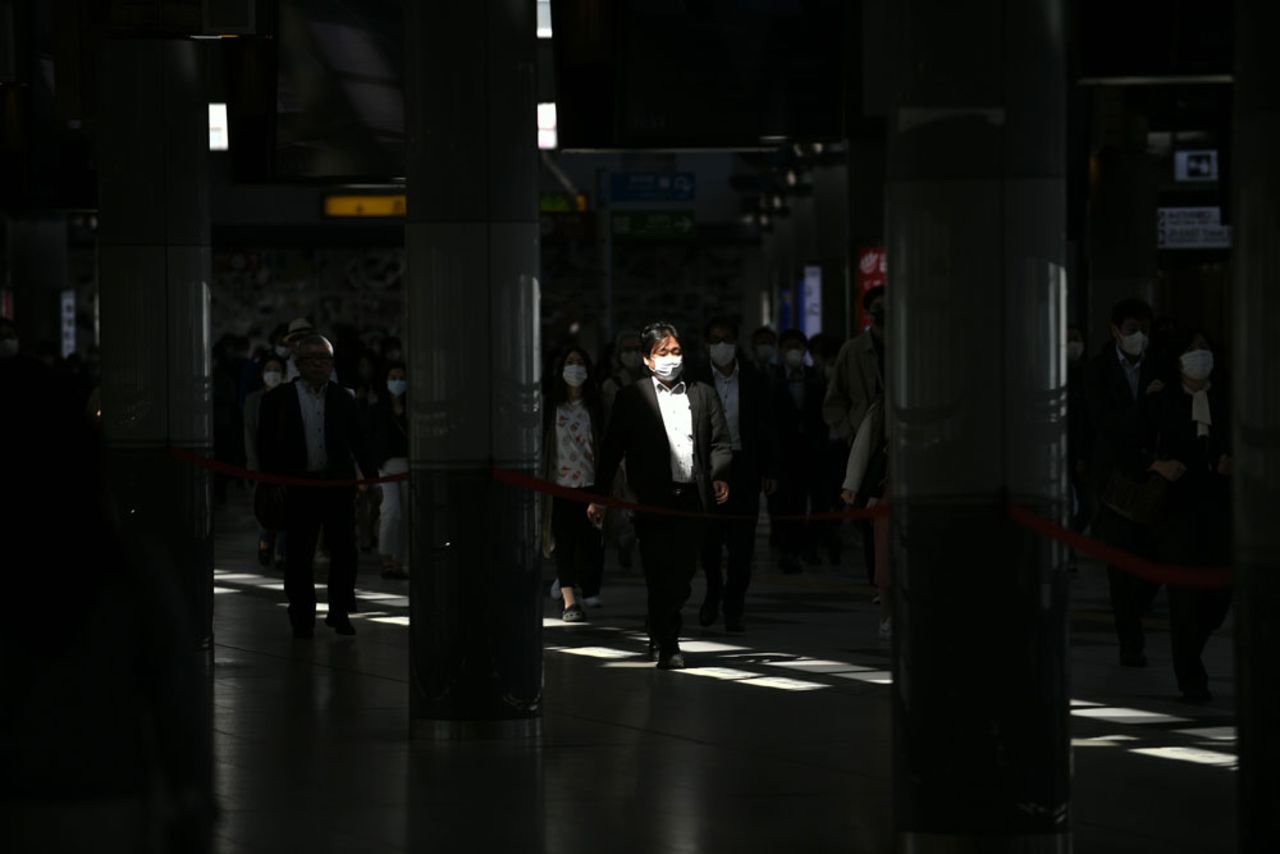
(636, 433)
(855, 385)
(757, 427)
(282, 445)
(802, 432)
(1115, 416)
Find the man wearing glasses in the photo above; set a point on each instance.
(308, 429)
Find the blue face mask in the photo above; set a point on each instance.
(397, 387)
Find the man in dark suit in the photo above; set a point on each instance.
(744, 399)
(804, 484)
(674, 439)
(1118, 378)
(309, 428)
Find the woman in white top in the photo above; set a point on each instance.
(570, 449)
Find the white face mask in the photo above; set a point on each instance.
(765, 352)
(794, 358)
(271, 379)
(668, 367)
(1075, 349)
(630, 359)
(574, 375)
(1134, 344)
(8, 347)
(283, 352)
(397, 387)
(1197, 364)
(723, 353)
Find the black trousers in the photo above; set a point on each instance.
(669, 548)
(738, 537)
(579, 547)
(1131, 596)
(1194, 614)
(802, 489)
(307, 511)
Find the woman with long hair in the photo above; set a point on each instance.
(571, 446)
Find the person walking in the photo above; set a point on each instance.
(744, 399)
(673, 436)
(1119, 378)
(1187, 426)
(309, 429)
(797, 398)
(391, 437)
(271, 543)
(571, 447)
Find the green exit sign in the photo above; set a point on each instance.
(654, 225)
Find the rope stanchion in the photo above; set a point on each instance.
(1184, 576)
(1160, 573)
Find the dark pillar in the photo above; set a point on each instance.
(154, 268)
(976, 374)
(472, 302)
(1256, 403)
(1122, 212)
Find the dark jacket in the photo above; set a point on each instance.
(282, 446)
(1115, 416)
(757, 429)
(390, 431)
(802, 431)
(636, 434)
(1195, 527)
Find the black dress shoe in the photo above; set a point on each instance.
(674, 661)
(340, 623)
(1197, 695)
(733, 624)
(708, 612)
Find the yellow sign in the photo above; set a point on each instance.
(385, 205)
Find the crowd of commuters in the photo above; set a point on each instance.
(793, 423)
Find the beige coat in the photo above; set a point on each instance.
(854, 386)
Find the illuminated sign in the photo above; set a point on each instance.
(219, 137)
(1191, 228)
(386, 205)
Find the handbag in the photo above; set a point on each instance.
(1140, 500)
(268, 506)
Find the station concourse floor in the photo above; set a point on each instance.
(775, 740)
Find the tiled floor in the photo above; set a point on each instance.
(775, 740)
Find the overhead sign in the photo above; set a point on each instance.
(1195, 165)
(1191, 228)
(654, 225)
(652, 187)
(365, 205)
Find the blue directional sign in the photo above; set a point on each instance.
(652, 187)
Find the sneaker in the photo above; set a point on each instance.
(554, 591)
(573, 614)
(592, 602)
(340, 623)
(886, 629)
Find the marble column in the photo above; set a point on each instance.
(154, 271)
(471, 243)
(976, 376)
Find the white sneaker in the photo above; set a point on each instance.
(592, 601)
(554, 592)
(886, 629)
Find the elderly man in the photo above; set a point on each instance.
(308, 429)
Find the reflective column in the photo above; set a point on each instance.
(154, 269)
(1256, 420)
(976, 375)
(471, 246)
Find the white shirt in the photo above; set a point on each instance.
(312, 404)
(677, 418)
(1132, 371)
(575, 453)
(727, 387)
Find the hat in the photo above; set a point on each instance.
(297, 329)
